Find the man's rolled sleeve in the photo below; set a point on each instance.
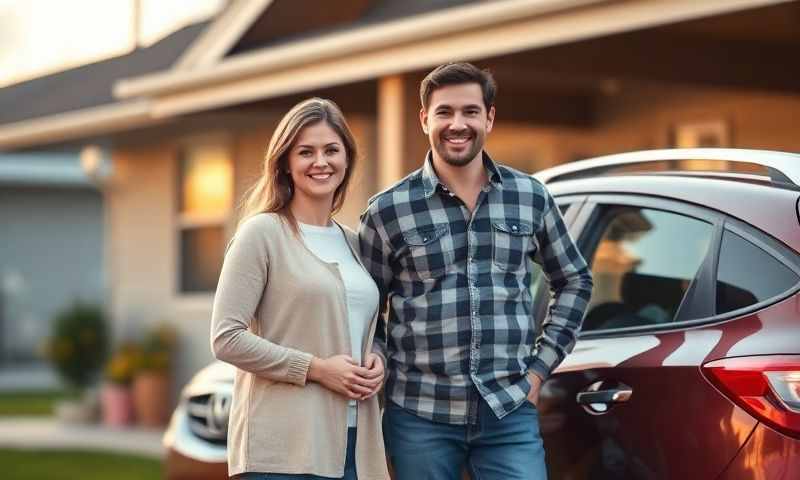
(571, 287)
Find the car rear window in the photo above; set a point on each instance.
(747, 274)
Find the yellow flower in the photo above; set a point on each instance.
(63, 349)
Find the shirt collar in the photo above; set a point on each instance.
(430, 180)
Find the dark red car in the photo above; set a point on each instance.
(688, 363)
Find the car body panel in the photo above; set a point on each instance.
(767, 455)
(673, 412)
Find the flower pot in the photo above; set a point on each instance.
(151, 398)
(73, 412)
(117, 405)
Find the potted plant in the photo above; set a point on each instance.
(77, 349)
(116, 397)
(151, 382)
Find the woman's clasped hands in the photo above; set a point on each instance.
(343, 375)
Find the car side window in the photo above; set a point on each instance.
(747, 275)
(643, 261)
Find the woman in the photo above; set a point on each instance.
(295, 312)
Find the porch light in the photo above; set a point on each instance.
(95, 164)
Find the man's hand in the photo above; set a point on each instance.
(536, 385)
(375, 372)
(344, 376)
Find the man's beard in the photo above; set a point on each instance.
(461, 159)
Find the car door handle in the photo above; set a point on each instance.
(593, 396)
(605, 396)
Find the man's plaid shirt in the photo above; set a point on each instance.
(458, 287)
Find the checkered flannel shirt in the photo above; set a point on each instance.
(460, 309)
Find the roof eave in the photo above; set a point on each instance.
(413, 44)
(75, 124)
(370, 38)
(222, 34)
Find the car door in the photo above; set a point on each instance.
(630, 401)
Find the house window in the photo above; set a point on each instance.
(205, 197)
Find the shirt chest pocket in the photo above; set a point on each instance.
(511, 241)
(428, 251)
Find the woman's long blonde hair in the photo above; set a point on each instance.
(273, 191)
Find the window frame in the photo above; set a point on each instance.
(703, 288)
(184, 221)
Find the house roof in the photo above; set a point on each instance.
(361, 36)
(359, 14)
(90, 85)
(81, 101)
(245, 25)
(235, 59)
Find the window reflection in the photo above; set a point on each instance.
(747, 274)
(643, 264)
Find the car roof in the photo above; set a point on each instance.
(782, 167)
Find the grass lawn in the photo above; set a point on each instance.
(76, 465)
(30, 403)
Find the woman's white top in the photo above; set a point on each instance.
(330, 245)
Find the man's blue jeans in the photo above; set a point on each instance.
(491, 449)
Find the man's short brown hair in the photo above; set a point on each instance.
(457, 74)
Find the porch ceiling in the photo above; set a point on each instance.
(578, 50)
(723, 51)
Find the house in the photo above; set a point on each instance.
(186, 121)
(51, 245)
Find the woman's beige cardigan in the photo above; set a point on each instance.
(276, 305)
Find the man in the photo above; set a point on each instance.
(450, 247)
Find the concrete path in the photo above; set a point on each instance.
(28, 378)
(47, 433)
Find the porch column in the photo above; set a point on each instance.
(391, 129)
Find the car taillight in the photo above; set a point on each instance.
(768, 387)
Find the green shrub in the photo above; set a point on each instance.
(78, 346)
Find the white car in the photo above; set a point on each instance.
(196, 437)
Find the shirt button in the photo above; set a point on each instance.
(514, 227)
(424, 239)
